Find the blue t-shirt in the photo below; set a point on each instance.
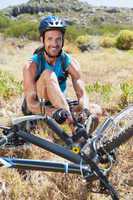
(61, 65)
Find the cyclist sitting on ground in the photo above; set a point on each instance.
(45, 76)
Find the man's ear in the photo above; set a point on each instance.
(41, 39)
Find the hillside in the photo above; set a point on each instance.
(76, 12)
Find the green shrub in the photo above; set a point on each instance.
(73, 32)
(8, 85)
(124, 40)
(104, 90)
(4, 22)
(33, 35)
(127, 93)
(82, 39)
(96, 20)
(107, 42)
(106, 29)
(23, 29)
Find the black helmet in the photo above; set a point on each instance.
(51, 22)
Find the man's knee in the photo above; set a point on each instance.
(48, 76)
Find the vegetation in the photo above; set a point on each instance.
(124, 40)
(106, 29)
(19, 28)
(73, 32)
(105, 90)
(4, 22)
(107, 42)
(27, 26)
(82, 39)
(127, 93)
(23, 29)
(8, 85)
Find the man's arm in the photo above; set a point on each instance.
(78, 84)
(29, 84)
(30, 91)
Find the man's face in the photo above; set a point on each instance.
(53, 42)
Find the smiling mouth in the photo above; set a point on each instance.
(54, 49)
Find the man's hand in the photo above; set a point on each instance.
(61, 115)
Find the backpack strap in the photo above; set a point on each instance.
(39, 50)
(63, 78)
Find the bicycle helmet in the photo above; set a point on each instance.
(51, 22)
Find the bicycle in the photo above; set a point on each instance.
(86, 157)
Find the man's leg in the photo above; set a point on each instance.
(48, 88)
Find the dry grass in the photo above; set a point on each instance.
(23, 185)
(106, 66)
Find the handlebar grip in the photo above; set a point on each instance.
(53, 125)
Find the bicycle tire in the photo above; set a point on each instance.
(117, 141)
(116, 130)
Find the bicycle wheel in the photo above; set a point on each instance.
(117, 131)
(118, 140)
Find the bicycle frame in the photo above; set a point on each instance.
(80, 165)
(45, 165)
(89, 171)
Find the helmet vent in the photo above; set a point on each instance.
(51, 23)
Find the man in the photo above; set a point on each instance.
(45, 76)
